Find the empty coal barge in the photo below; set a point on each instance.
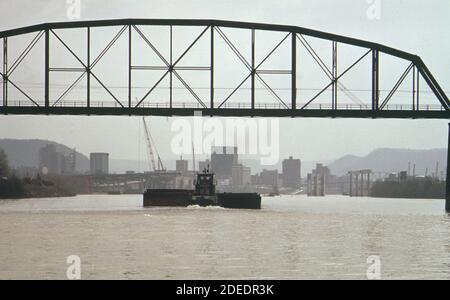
(204, 194)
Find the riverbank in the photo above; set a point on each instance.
(11, 188)
(15, 188)
(414, 188)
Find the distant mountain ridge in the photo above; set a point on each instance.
(26, 153)
(393, 160)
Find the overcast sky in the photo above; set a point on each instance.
(420, 27)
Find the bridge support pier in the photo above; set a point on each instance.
(359, 183)
(447, 192)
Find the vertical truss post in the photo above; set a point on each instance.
(447, 184)
(375, 80)
(212, 69)
(294, 71)
(414, 88)
(5, 71)
(253, 68)
(88, 68)
(417, 88)
(170, 68)
(129, 66)
(335, 75)
(47, 69)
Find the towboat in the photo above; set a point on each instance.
(203, 194)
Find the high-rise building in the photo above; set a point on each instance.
(291, 172)
(222, 161)
(240, 175)
(181, 165)
(53, 162)
(50, 160)
(99, 163)
(255, 179)
(269, 177)
(69, 162)
(317, 179)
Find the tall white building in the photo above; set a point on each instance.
(99, 163)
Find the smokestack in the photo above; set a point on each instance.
(414, 170)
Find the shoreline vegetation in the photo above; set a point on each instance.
(414, 188)
(13, 187)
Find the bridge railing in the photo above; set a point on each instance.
(191, 105)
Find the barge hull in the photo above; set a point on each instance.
(239, 200)
(183, 198)
(164, 197)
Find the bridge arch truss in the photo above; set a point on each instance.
(292, 103)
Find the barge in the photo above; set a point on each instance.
(204, 194)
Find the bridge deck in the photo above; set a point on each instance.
(227, 112)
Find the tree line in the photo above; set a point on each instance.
(10, 185)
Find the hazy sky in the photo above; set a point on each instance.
(420, 27)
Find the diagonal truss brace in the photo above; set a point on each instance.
(171, 67)
(254, 72)
(91, 66)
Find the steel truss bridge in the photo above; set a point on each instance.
(292, 104)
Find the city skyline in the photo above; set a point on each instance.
(60, 159)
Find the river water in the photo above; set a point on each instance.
(291, 237)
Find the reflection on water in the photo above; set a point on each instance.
(292, 237)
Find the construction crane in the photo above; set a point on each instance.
(150, 145)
